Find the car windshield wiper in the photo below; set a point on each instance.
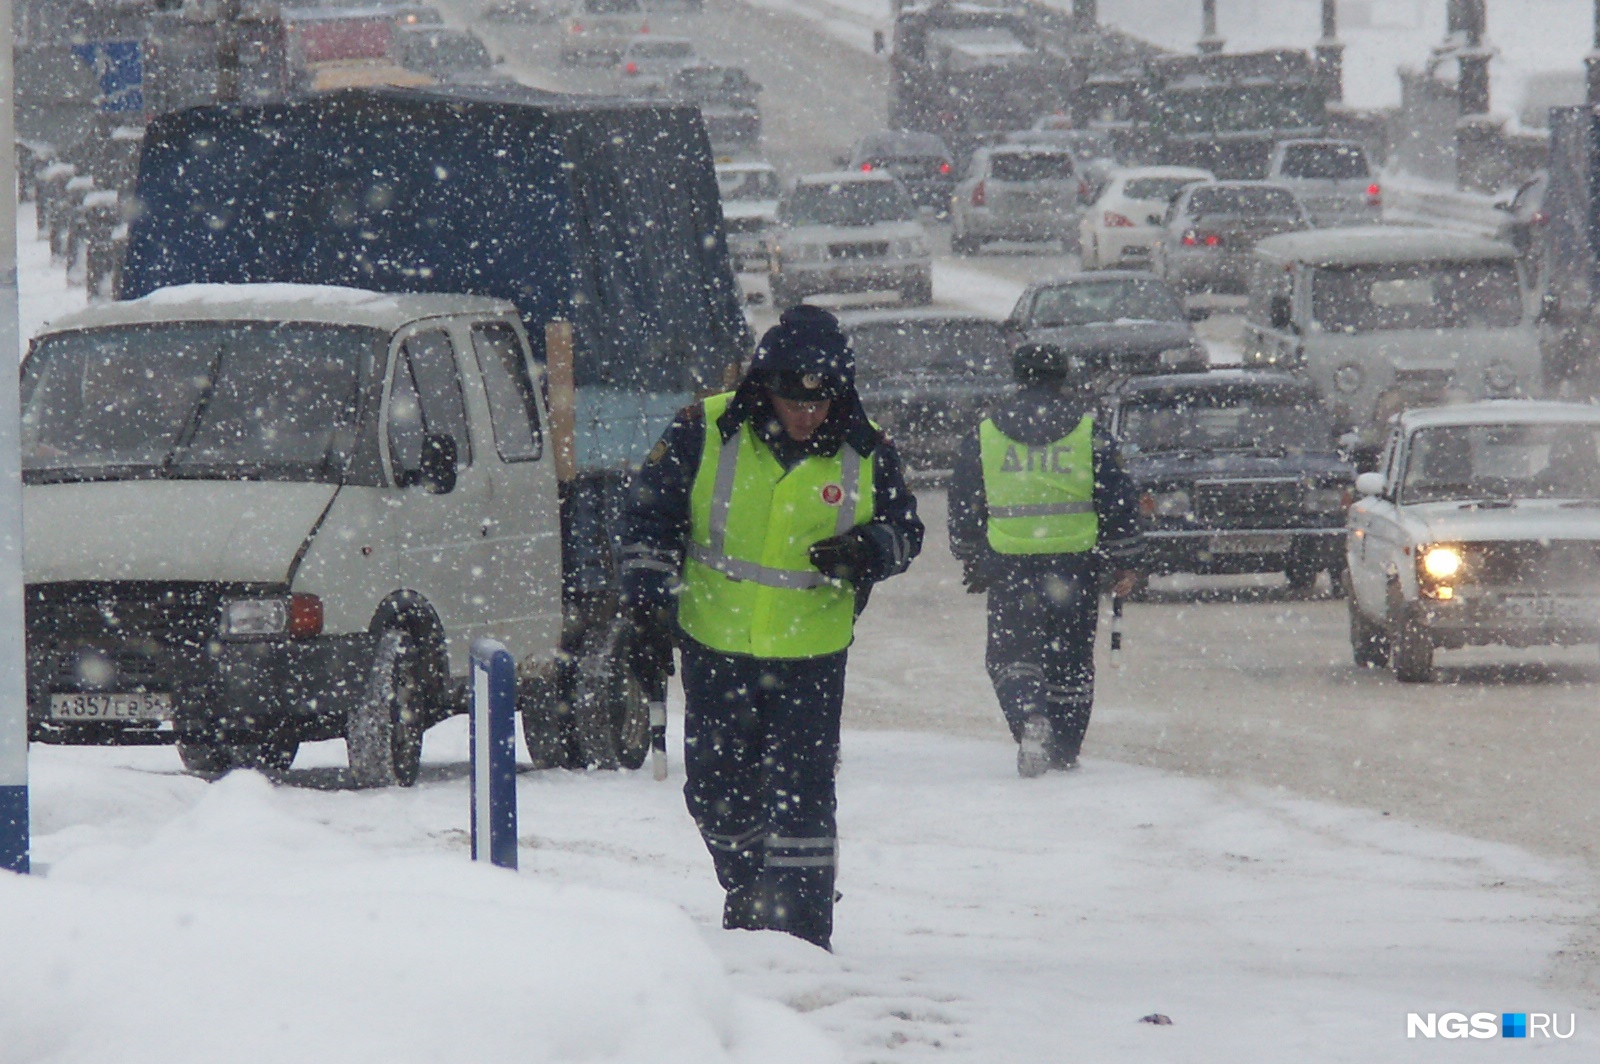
(1491, 502)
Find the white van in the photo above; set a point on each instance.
(1384, 318)
(259, 515)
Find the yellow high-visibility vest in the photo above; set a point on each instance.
(748, 584)
(1041, 498)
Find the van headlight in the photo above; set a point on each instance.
(298, 615)
(1500, 377)
(1348, 378)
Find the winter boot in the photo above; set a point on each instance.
(1033, 753)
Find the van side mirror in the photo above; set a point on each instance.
(1368, 484)
(438, 472)
(877, 42)
(1280, 313)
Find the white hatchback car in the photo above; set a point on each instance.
(1482, 527)
(1121, 229)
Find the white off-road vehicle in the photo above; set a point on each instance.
(1482, 527)
(259, 515)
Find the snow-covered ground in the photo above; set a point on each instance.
(984, 918)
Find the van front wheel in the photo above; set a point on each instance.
(383, 733)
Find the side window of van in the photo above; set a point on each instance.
(513, 410)
(426, 399)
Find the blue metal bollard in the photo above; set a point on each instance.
(494, 754)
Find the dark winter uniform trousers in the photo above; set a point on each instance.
(1041, 652)
(761, 742)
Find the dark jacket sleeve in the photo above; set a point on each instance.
(655, 527)
(1116, 504)
(895, 529)
(968, 509)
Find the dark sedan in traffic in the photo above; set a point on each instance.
(1120, 321)
(1237, 473)
(928, 377)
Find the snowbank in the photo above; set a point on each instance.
(241, 930)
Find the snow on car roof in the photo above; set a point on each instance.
(1499, 412)
(745, 167)
(834, 177)
(279, 302)
(1380, 244)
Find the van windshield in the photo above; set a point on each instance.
(202, 400)
(1475, 295)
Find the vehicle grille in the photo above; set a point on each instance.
(1249, 503)
(119, 635)
(1570, 566)
(877, 250)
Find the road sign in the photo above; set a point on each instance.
(119, 68)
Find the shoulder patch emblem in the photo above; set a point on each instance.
(657, 453)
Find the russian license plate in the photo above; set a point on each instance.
(1549, 608)
(148, 705)
(1249, 544)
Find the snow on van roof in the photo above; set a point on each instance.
(279, 302)
(1500, 412)
(1380, 245)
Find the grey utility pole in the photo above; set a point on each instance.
(1330, 53)
(1468, 18)
(13, 688)
(1210, 41)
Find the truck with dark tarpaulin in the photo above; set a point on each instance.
(597, 212)
(1569, 316)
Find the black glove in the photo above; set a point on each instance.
(973, 578)
(847, 557)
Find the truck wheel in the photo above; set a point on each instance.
(609, 710)
(206, 760)
(1368, 646)
(546, 724)
(1410, 649)
(383, 733)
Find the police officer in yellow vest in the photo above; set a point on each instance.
(756, 529)
(1040, 508)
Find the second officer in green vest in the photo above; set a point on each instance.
(757, 527)
(1040, 508)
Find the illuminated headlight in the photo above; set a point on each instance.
(297, 615)
(1326, 500)
(1348, 378)
(1500, 377)
(1441, 563)
(1164, 504)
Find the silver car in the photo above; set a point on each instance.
(1016, 192)
(1332, 179)
(850, 231)
(1211, 229)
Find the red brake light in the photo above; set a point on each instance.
(866, 168)
(980, 195)
(1212, 240)
(944, 168)
(577, 27)
(1374, 194)
(1191, 239)
(1539, 218)
(1113, 220)
(1147, 505)
(305, 615)
(632, 67)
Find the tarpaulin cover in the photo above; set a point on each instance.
(602, 211)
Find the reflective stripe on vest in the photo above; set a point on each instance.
(748, 585)
(1041, 499)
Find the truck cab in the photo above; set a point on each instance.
(260, 515)
(1384, 318)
